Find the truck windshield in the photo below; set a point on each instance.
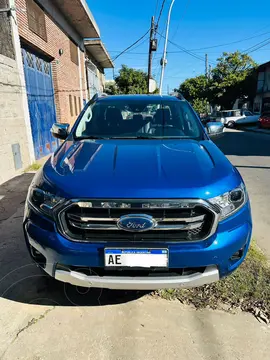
(138, 119)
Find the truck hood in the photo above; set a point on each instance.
(145, 169)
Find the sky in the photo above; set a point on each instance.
(195, 24)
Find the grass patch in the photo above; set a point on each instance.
(248, 288)
(33, 167)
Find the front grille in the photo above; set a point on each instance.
(97, 221)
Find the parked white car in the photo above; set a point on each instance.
(232, 118)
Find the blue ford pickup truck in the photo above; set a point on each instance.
(137, 197)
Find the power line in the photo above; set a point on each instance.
(187, 51)
(231, 43)
(253, 48)
(129, 47)
(157, 3)
(190, 51)
(216, 46)
(181, 18)
(160, 13)
(257, 46)
(143, 42)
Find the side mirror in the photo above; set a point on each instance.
(215, 129)
(60, 131)
(204, 121)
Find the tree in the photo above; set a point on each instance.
(111, 88)
(196, 91)
(230, 78)
(200, 105)
(194, 88)
(131, 81)
(233, 78)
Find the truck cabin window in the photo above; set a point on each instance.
(134, 119)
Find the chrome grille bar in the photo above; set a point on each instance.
(92, 226)
(108, 219)
(87, 219)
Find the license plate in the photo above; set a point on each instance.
(145, 258)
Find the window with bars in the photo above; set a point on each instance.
(75, 103)
(39, 64)
(46, 68)
(71, 106)
(73, 52)
(93, 79)
(36, 19)
(29, 60)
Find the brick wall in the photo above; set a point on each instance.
(12, 122)
(66, 77)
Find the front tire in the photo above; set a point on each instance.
(231, 125)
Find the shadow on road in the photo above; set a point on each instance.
(20, 279)
(14, 193)
(253, 167)
(244, 144)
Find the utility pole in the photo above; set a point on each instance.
(164, 60)
(210, 72)
(152, 48)
(168, 89)
(206, 66)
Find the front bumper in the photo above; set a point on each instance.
(216, 255)
(211, 274)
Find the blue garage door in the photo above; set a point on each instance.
(40, 94)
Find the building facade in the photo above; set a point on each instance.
(14, 140)
(262, 99)
(48, 38)
(97, 58)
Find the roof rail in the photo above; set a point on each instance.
(179, 96)
(96, 96)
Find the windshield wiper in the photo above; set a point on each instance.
(90, 137)
(141, 137)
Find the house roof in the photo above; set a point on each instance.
(97, 50)
(264, 65)
(80, 16)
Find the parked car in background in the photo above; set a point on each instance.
(249, 118)
(264, 120)
(233, 118)
(205, 118)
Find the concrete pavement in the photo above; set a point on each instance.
(250, 153)
(144, 329)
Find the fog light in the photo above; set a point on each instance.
(38, 257)
(237, 255)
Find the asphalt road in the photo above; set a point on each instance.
(41, 319)
(250, 153)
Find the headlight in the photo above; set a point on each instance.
(230, 202)
(44, 201)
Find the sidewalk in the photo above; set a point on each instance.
(143, 329)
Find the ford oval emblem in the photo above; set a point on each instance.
(136, 222)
